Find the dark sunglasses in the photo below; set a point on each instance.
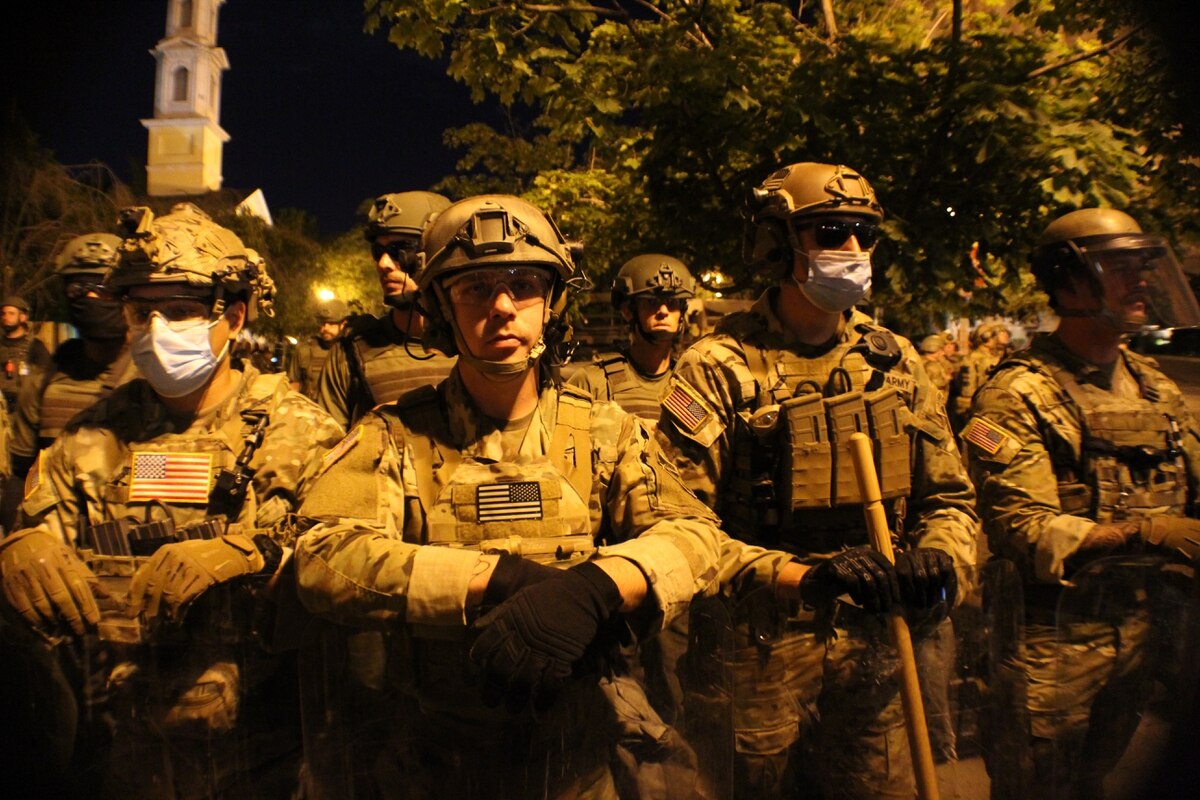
(403, 254)
(833, 233)
(77, 290)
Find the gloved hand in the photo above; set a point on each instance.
(513, 573)
(179, 573)
(1103, 539)
(926, 576)
(1179, 535)
(528, 644)
(864, 573)
(45, 581)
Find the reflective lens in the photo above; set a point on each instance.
(180, 308)
(479, 288)
(833, 233)
(654, 302)
(79, 289)
(402, 252)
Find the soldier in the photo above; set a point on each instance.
(82, 370)
(427, 504)
(159, 502)
(989, 344)
(651, 294)
(19, 350)
(308, 358)
(933, 355)
(1083, 449)
(758, 415)
(379, 358)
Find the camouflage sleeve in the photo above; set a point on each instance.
(699, 407)
(354, 566)
(941, 506)
(667, 532)
(27, 416)
(1013, 471)
(1189, 438)
(51, 501)
(335, 384)
(290, 456)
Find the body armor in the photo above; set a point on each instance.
(64, 392)
(628, 388)
(387, 364)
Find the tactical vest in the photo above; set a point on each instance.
(793, 484)
(637, 395)
(312, 370)
(388, 372)
(1130, 461)
(63, 398)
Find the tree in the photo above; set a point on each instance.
(643, 124)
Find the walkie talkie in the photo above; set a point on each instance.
(228, 494)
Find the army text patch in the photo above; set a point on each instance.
(985, 435)
(686, 407)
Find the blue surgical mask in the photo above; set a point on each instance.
(837, 279)
(176, 358)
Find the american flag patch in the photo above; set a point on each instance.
(499, 502)
(686, 408)
(171, 477)
(985, 435)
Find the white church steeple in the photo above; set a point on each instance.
(186, 138)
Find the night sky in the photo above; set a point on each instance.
(321, 115)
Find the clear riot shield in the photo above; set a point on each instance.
(1123, 661)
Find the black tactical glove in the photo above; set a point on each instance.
(513, 573)
(926, 576)
(528, 644)
(862, 572)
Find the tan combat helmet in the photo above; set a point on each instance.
(332, 311)
(932, 343)
(403, 213)
(652, 274)
(492, 231)
(797, 193)
(186, 246)
(1082, 244)
(90, 254)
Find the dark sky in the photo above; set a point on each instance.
(321, 115)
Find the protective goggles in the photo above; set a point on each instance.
(831, 234)
(479, 288)
(655, 301)
(172, 308)
(79, 289)
(402, 253)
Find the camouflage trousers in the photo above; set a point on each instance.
(1066, 706)
(810, 716)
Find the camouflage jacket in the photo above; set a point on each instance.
(88, 475)
(971, 374)
(714, 391)
(612, 376)
(374, 362)
(368, 560)
(1025, 444)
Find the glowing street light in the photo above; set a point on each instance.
(323, 294)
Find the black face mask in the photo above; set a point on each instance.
(97, 319)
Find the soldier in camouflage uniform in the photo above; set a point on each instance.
(1083, 449)
(150, 527)
(933, 354)
(19, 349)
(758, 416)
(380, 358)
(85, 369)
(651, 294)
(989, 344)
(428, 504)
(308, 358)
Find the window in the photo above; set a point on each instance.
(179, 88)
(185, 13)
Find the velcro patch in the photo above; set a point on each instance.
(686, 407)
(985, 434)
(341, 448)
(170, 477)
(33, 479)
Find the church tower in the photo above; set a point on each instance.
(186, 138)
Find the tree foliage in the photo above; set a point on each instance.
(643, 124)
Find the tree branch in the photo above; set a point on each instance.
(1114, 44)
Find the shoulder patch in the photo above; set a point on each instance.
(985, 434)
(33, 478)
(686, 407)
(341, 448)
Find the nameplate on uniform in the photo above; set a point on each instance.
(171, 477)
(686, 407)
(985, 435)
(501, 502)
(341, 448)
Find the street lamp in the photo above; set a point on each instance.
(323, 294)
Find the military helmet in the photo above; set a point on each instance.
(933, 343)
(17, 302)
(403, 213)
(492, 230)
(332, 311)
(652, 274)
(1060, 248)
(92, 253)
(800, 191)
(186, 246)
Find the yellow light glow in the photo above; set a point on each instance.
(322, 293)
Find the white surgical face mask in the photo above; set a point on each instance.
(837, 279)
(176, 360)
